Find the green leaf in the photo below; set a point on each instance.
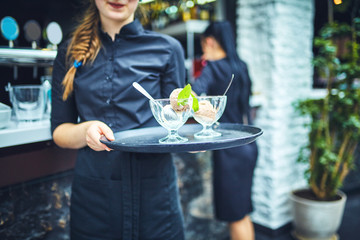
(195, 105)
(184, 95)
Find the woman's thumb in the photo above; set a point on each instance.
(108, 133)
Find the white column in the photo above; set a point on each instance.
(220, 10)
(275, 40)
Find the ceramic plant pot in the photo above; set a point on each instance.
(316, 220)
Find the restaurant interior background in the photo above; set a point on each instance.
(161, 16)
(36, 203)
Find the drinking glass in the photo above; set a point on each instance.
(210, 110)
(170, 119)
(28, 102)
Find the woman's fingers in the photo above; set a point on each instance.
(107, 132)
(95, 132)
(106, 148)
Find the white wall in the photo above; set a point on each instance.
(275, 39)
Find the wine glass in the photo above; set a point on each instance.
(171, 119)
(210, 110)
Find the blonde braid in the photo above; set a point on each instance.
(84, 46)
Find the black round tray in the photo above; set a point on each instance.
(147, 139)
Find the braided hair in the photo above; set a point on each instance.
(84, 45)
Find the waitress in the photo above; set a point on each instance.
(233, 168)
(116, 195)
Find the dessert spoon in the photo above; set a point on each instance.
(167, 112)
(232, 78)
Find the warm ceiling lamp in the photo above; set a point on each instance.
(337, 2)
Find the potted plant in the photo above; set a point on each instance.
(334, 39)
(334, 132)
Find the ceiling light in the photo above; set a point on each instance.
(146, 1)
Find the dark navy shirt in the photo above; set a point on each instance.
(103, 90)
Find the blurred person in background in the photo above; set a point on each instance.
(115, 194)
(232, 168)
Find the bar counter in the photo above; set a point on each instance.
(27, 152)
(17, 133)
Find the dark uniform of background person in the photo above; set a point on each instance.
(233, 168)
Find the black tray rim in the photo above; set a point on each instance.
(199, 145)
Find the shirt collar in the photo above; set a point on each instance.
(131, 29)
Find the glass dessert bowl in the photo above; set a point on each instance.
(171, 116)
(210, 110)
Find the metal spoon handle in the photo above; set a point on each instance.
(142, 90)
(232, 78)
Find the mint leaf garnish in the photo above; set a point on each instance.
(195, 105)
(184, 96)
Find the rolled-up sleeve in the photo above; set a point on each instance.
(62, 111)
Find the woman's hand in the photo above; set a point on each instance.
(94, 132)
(76, 136)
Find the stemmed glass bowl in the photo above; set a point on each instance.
(210, 110)
(171, 119)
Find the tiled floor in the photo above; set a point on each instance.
(210, 229)
(205, 227)
(349, 229)
(39, 211)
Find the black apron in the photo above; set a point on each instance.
(142, 188)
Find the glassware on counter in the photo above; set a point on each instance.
(46, 83)
(28, 101)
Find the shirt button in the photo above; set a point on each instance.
(107, 78)
(111, 59)
(110, 124)
(108, 101)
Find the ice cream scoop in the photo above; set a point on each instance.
(206, 111)
(174, 100)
